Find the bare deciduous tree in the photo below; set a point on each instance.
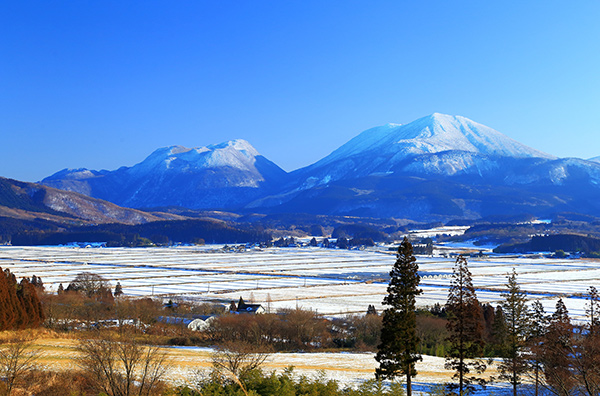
(121, 367)
(89, 284)
(18, 356)
(234, 358)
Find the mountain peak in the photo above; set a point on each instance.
(240, 145)
(433, 134)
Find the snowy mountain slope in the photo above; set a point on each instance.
(437, 167)
(237, 155)
(433, 134)
(436, 144)
(559, 172)
(595, 159)
(215, 176)
(27, 201)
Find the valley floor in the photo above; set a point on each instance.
(332, 282)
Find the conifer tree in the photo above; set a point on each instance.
(397, 353)
(593, 310)
(20, 306)
(514, 364)
(587, 353)
(31, 305)
(537, 332)
(555, 352)
(7, 313)
(499, 332)
(13, 318)
(118, 290)
(465, 325)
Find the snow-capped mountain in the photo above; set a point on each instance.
(217, 176)
(433, 134)
(437, 144)
(438, 167)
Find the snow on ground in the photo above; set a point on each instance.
(444, 230)
(349, 369)
(330, 281)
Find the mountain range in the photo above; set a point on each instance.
(439, 167)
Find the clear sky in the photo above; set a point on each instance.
(102, 84)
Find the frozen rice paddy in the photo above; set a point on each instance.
(330, 281)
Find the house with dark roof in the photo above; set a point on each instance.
(242, 307)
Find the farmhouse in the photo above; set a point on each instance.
(242, 307)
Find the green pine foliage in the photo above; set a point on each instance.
(465, 325)
(535, 342)
(287, 383)
(398, 351)
(514, 306)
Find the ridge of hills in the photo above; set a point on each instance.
(34, 214)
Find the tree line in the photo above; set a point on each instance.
(157, 232)
(558, 356)
(20, 307)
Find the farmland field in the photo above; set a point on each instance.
(331, 281)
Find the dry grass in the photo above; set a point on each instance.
(59, 354)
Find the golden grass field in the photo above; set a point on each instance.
(58, 352)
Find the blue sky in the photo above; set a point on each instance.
(101, 84)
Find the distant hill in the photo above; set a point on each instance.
(552, 243)
(33, 214)
(29, 201)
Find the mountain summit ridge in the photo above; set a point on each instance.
(238, 154)
(219, 175)
(433, 134)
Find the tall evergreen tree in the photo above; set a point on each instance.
(397, 353)
(593, 310)
(20, 306)
(586, 356)
(555, 352)
(499, 332)
(118, 290)
(515, 363)
(465, 325)
(32, 307)
(537, 332)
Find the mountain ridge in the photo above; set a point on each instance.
(480, 172)
(23, 200)
(211, 176)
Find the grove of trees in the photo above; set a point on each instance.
(20, 307)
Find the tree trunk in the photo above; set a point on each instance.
(537, 379)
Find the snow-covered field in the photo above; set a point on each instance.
(330, 281)
(349, 369)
